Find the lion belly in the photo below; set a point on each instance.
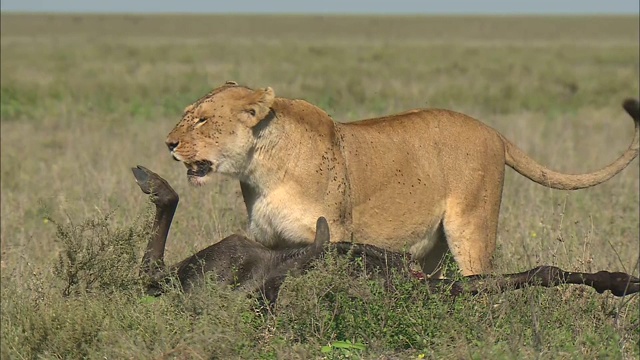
(405, 173)
(397, 199)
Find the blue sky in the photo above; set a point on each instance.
(328, 6)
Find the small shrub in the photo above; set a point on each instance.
(97, 256)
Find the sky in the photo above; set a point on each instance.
(327, 6)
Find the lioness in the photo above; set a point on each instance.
(427, 180)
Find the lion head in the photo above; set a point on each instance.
(215, 132)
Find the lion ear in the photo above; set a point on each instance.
(260, 105)
(188, 108)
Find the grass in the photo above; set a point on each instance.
(83, 98)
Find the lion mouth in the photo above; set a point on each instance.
(199, 168)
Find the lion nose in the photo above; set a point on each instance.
(172, 145)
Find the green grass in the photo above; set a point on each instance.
(84, 98)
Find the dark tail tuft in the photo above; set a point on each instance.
(632, 107)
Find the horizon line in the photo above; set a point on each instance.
(329, 13)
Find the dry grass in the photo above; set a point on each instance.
(84, 98)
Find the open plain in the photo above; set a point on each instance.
(86, 97)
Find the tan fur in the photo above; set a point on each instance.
(427, 181)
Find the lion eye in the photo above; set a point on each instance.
(201, 120)
(252, 112)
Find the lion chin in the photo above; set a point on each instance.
(198, 180)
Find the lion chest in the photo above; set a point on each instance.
(280, 218)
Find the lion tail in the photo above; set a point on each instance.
(526, 166)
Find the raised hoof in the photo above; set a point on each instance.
(142, 178)
(152, 184)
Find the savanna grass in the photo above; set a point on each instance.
(84, 98)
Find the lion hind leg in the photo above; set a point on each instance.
(472, 240)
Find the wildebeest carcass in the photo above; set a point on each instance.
(252, 267)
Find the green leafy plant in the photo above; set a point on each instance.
(343, 349)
